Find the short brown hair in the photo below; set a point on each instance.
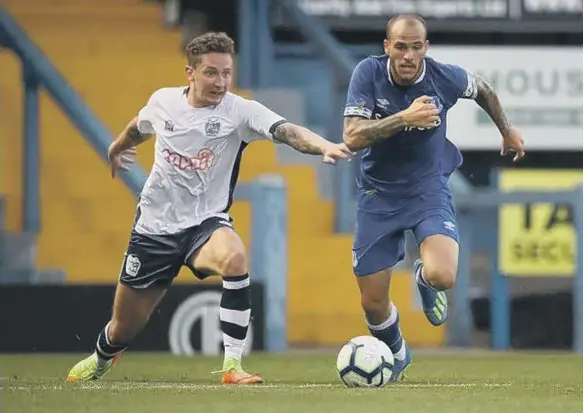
(211, 42)
(404, 16)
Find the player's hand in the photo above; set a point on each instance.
(334, 151)
(422, 113)
(513, 142)
(120, 161)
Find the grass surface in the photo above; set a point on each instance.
(161, 383)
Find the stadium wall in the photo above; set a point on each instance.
(86, 217)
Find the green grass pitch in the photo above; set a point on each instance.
(450, 382)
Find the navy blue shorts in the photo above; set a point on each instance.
(382, 220)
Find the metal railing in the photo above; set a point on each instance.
(469, 207)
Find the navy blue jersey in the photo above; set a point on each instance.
(415, 159)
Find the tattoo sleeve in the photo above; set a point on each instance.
(134, 136)
(299, 138)
(488, 100)
(362, 133)
(130, 137)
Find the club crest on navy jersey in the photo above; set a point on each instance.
(435, 100)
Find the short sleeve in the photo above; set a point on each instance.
(464, 81)
(146, 115)
(361, 96)
(256, 121)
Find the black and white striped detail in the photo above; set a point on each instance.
(104, 349)
(471, 91)
(235, 309)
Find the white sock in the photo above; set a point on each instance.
(401, 354)
(233, 347)
(99, 361)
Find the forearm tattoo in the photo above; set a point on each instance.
(135, 137)
(370, 132)
(297, 138)
(488, 100)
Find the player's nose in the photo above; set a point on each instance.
(220, 83)
(409, 56)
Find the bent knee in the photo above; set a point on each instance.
(233, 263)
(441, 278)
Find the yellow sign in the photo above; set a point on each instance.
(537, 239)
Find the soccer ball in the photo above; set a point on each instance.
(365, 362)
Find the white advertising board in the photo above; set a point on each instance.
(540, 88)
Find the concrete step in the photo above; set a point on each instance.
(17, 250)
(18, 261)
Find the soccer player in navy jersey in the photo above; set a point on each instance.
(396, 113)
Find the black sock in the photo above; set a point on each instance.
(390, 333)
(234, 313)
(104, 349)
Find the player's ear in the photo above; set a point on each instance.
(386, 46)
(189, 71)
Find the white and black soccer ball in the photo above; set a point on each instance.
(365, 361)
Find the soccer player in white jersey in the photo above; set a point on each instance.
(182, 214)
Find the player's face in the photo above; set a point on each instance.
(211, 78)
(406, 47)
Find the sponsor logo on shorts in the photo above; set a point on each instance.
(132, 265)
(449, 226)
(355, 259)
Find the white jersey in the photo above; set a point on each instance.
(197, 156)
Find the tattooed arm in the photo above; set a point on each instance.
(300, 138)
(129, 138)
(259, 122)
(361, 133)
(488, 100)
(122, 151)
(306, 141)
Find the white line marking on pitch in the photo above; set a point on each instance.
(190, 386)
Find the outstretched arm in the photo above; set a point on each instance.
(300, 138)
(306, 141)
(260, 122)
(488, 100)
